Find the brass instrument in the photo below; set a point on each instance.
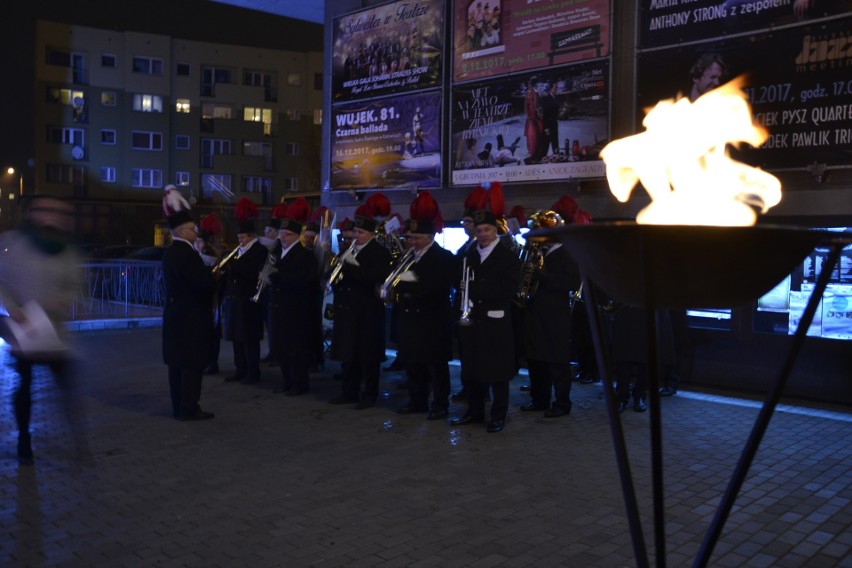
(387, 291)
(221, 264)
(532, 256)
(386, 236)
(264, 274)
(337, 271)
(466, 304)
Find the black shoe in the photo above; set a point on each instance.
(622, 406)
(234, 378)
(465, 420)
(639, 405)
(343, 399)
(25, 449)
(198, 414)
(365, 403)
(496, 425)
(437, 414)
(532, 407)
(250, 381)
(556, 412)
(459, 396)
(296, 391)
(279, 390)
(667, 391)
(409, 409)
(212, 369)
(587, 380)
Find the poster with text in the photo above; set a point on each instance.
(534, 126)
(387, 49)
(669, 22)
(802, 94)
(497, 37)
(390, 143)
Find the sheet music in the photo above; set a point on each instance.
(36, 336)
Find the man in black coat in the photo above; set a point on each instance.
(242, 319)
(488, 342)
(425, 322)
(358, 336)
(547, 332)
(293, 288)
(187, 318)
(461, 253)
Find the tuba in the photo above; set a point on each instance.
(387, 292)
(532, 256)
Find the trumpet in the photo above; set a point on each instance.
(387, 291)
(466, 304)
(263, 277)
(221, 264)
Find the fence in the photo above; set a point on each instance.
(120, 289)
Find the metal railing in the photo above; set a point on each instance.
(120, 289)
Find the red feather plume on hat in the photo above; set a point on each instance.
(380, 204)
(519, 213)
(475, 199)
(173, 201)
(494, 200)
(317, 215)
(211, 224)
(582, 218)
(566, 207)
(425, 208)
(365, 210)
(279, 211)
(245, 209)
(299, 210)
(345, 225)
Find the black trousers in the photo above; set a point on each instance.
(295, 369)
(477, 391)
(185, 391)
(247, 358)
(623, 372)
(357, 372)
(423, 377)
(545, 377)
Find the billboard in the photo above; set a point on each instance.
(496, 37)
(663, 22)
(802, 96)
(387, 49)
(393, 142)
(534, 126)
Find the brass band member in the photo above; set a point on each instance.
(358, 335)
(425, 312)
(293, 288)
(311, 241)
(270, 241)
(209, 246)
(242, 320)
(488, 344)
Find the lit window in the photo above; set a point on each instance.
(318, 116)
(294, 79)
(182, 105)
(108, 98)
(182, 179)
(256, 114)
(148, 103)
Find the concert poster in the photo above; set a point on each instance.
(498, 37)
(387, 49)
(549, 125)
(669, 22)
(394, 142)
(801, 94)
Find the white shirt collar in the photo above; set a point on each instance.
(484, 252)
(248, 246)
(284, 251)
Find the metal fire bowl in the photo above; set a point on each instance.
(684, 265)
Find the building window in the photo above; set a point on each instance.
(64, 96)
(108, 137)
(257, 114)
(210, 77)
(73, 60)
(148, 103)
(107, 174)
(141, 140)
(211, 147)
(291, 149)
(257, 184)
(294, 114)
(318, 116)
(291, 184)
(183, 70)
(142, 177)
(108, 98)
(61, 173)
(147, 65)
(261, 79)
(318, 81)
(182, 105)
(216, 183)
(262, 149)
(182, 179)
(108, 60)
(210, 110)
(294, 79)
(65, 135)
(181, 142)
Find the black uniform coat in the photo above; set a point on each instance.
(188, 314)
(425, 312)
(359, 315)
(242, 319)
(293, 291)
(489, 342)
(547, 323)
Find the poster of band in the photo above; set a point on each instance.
(668, 22)
(394, 142)
(535, 126)
(496, 37)
(387, 49)
(803, 98)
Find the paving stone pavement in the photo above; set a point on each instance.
(276, 481)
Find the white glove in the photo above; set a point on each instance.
(349, 259)
(408, 276)
(265, 279)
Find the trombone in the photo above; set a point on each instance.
(337, 271)
(387, 291)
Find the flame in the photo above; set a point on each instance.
(682, 161)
